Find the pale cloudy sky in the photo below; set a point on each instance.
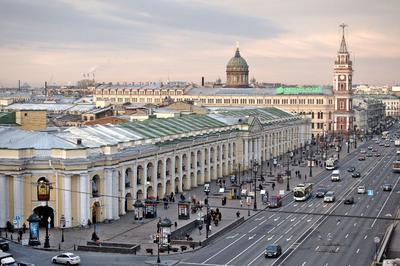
(290, 41)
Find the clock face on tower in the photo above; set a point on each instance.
(342, 77)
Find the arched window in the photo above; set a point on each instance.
(95, 186)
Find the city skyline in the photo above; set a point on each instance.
(59, 41)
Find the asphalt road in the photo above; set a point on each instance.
(310, 233)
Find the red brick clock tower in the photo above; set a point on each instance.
(342, 89)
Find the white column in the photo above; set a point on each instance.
(196, 178)
(18, 183)
(246, 153)
(201, 178)
(66, 196)
(115, 194)
(180, 172)
(84, 198)
(215, 174)
(134, 185)
(251, 150)
(164, 176)
(107, 198)
(145, 180)
(122, 190)
(4, 201)
(208, 159)
(172, 173)
(220, 161)
(154, 177)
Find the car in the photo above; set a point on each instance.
(66, 258)
(370, 147)
(387, 187)
(4, 245)
(361, 190)
(329, 196)
(377, 155)
(374, 150)
(273, 251)
(387, 144)
(20, 263)
(351, 169)
(349, 201)
(363, 151)
(356, 174)
(321, 191)
(274, 202)
(381, 144)
(361, 158)
(369, 155)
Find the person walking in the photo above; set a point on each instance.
(305, 176)
(241, 203)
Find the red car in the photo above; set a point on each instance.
(275, 202)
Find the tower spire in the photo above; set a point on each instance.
(343, 46)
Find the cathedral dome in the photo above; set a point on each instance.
(237, 62)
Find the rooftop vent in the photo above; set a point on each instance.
(79, 141)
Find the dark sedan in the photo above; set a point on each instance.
(356, 174)
(351, 169)
(321, 191)
(273, 251)
(349, 201)
(361, 158)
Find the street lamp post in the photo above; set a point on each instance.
(255, 169)
(348, 140)
(310, 160)
(207, 191)
(288, 174)
(158, 241)
(47, 239)
(62, 224)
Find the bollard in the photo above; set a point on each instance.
(74, 247)
(59, 246)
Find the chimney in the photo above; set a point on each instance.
(202, 81)
(79, 141)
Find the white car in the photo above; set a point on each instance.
(361, 190)
(329, 196)
(67, 258)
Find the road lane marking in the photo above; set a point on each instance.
(255, 242)
(337, 249)
(258, 219)
(354, 224)
(251, 237)
(304, 263)
(326, 264)
(358, 250)
(367, 206)
(290, 238)
(362, 214)
(365, 237)
(293, 219)
(269, 238)
(280, 223)
(223, 249)
(278, 239)
(252, 229)
(338, 223)
(235, 235)
(346, 213)
(277, 218)
(271, 230)
(346, 236)
(310, 205)
(383, 206)
(262, 222)
(309, 220)
(316, 249)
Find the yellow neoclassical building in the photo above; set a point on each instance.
(97, 172)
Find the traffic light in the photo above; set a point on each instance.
(157, 238)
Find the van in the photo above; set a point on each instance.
(335, 175)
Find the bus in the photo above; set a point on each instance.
(331, 164)
(302, 192)
(396, 163)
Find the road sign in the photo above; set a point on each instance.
(370, 192)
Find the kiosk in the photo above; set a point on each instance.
(184, 210)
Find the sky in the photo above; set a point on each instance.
(287, 41)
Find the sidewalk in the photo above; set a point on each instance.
(127, 230)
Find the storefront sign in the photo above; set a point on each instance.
(299, 90)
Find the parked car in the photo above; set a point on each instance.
(4, 245)
(351, 169)
(356, 174)
(349, 201)
(361, 190)
(329, 196)
(387, 187)
(67, 258)
(20, 263)
(273, 251)
(321, 191)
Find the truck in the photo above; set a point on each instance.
(335, 175)
(6, 259)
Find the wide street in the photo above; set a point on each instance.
(310, 232)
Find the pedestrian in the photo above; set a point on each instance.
(24, 227)
(305, 176)
(273, 186)
(176, 225)
(241, 203)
